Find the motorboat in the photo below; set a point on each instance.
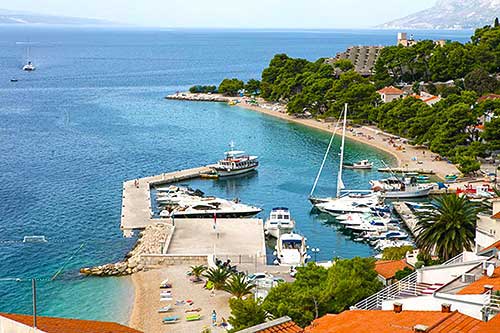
(291, 250)
(386, 243)
(361, 165)
(393, 234)
(236, 162)
(394, 187)
(210, 207)
(279, 222)
(372, 226)
(347, 204)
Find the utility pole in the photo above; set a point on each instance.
(33, 287)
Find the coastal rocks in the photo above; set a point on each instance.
(151, 241)
(199, 97)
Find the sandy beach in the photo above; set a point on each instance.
(407, 156)
(145, 316)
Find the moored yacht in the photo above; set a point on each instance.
(395, 187)
(279, 222)
(347, 204)
(209, 207)
(361, 165)
(291, 250)
(236, 162)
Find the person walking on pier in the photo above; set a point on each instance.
(214, 318)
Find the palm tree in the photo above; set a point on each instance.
(217, 276)
(450, 229)
(197, 272)
(239, 286)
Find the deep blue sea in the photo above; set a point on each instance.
(93, 114)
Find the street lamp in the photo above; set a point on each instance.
(315, 250)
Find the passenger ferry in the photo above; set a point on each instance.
(236, 162)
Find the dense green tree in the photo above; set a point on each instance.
(450, 229)
(492, 134)
(401, 274)
(231, 87)
(344, 65)
(202, 89)
(395, 253)
(480, 81)
(317, 291)
(245, 313)
(252, 87)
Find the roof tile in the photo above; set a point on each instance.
(477, 287)
(63, 325)
(388, 268)
(391, 91)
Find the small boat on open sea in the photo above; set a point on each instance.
(236, 162)
(29, 67)
(279, 222)
(291, 250)
(361, 165)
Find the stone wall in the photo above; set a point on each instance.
(150, 261)
(152, 240)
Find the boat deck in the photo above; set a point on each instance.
(136, 198)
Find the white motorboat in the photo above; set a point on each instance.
(372, 226)
(386, 243)
(279, 222)
(393, 235)
(291, 250)
(347, 204)
(382, 216)
(361, 165)
(394, 187)
(236, 162)
(209, 207)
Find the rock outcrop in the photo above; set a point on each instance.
(151, 241)
(199, 97)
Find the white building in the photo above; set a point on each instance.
(488, 227)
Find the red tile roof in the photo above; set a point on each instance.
(477, 287)
(491, 326)
(496, 216)
(63, 325)
(289, 327)
(489, 96)
(456, 322)
(492, 246)
(362, 321)
(391, 91)
(388, 268)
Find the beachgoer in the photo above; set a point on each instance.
(214, 318)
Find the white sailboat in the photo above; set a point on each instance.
(29, 67)
(351, 201)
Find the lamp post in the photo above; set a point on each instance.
(315, 250)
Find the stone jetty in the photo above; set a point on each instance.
(199, 97)
(152, 240)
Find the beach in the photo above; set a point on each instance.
(145, 316)
(407, 156)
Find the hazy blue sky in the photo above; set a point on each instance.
(230, 13)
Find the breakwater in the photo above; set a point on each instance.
(199, 97)
(152, 240)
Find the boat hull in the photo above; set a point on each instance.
(210, 215)
(228, 173)
(409, 194)
(275, 232)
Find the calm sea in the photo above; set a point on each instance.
(93, 115)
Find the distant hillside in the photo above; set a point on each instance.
(450, 14)
(21, 17)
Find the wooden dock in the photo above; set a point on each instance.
(408, 217)
(406, 170)
(137, 210)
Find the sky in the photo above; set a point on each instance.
(230, 13)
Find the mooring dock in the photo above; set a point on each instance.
(136, 199)
(407, 216)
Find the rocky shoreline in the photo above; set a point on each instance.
(151, 241)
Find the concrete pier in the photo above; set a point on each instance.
(407, 216)
(136, 198)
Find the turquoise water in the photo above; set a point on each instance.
(93, 115)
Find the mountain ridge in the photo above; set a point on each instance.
(450, 14)
(16, 17)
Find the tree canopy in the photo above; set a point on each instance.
(231, 87)
(318, 291)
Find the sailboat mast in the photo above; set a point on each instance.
(340, 183)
